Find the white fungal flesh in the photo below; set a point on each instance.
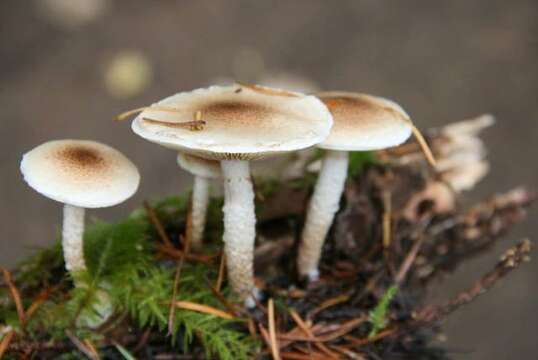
(323, 206)
(72, 232)
(239, 227)
(200, 200)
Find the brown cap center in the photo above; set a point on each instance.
(81, 157)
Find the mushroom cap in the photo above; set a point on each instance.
(364, 122)
(241, 122)
(198, 166)
(80, 173)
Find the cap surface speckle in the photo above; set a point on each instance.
(364, 122)
(80, 173)
(241, 122)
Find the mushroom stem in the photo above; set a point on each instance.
(72, 232)
(239, 227)
(200, 201)
(323, 206)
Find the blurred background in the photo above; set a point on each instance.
(67, 67)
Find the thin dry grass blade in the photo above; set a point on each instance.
(187, 305)
(6, 340)
(272, 329)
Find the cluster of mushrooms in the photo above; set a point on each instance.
(217, 132)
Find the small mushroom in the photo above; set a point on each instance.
(240, 123)
(203, 170)
(80, 174)
(361, 122)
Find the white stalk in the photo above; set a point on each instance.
(72, 232)
(239, 227)
(323, 206)
(200, 201)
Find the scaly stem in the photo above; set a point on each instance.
(72, 232)
(200, 201)
(323, 206)
(239, 227)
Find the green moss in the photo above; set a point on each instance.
(122, 265)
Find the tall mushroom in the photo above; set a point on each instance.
(203, 171)
(239, 123)
(361, 122)
(80, 174)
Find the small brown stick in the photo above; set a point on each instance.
(510, 261)
(154, 219)
(220, 277)
(81, 346)
(6, 340)
(361, 342)
(272, 329)
(221, 298)
(143, 341)
(328, 303)
(387, 216)
(39, 299)
(15, 294)
(265, 335)
(348, 353)
(297, 356)
(301, 324)
(343, 329)
(408, 261)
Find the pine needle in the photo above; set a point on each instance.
(81, 346)
(272, 329)
(153, 218)
(124, 352)
(301, 324)
(6, 340)
(266, 90)
(127, 114)
(188, 305)
(220, 277)
(15, 295)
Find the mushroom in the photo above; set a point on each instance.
(361, 122)
(203, 170)
(80, 174)
(238, 123)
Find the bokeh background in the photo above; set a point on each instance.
(67, 67)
